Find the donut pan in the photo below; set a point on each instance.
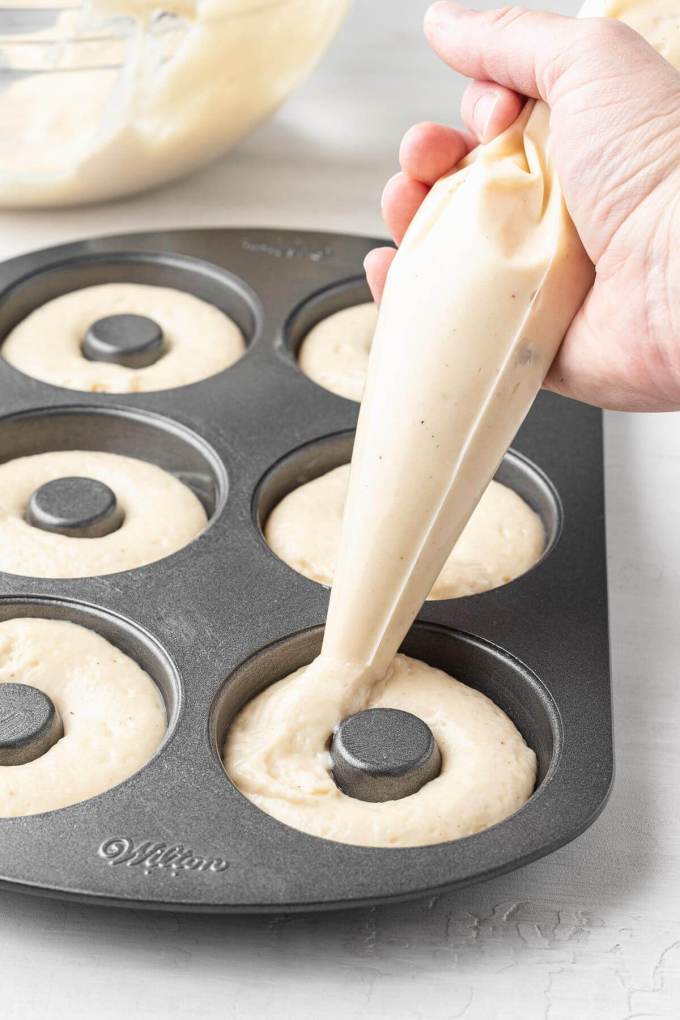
(223, 617)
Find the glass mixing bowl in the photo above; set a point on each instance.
(114, 96)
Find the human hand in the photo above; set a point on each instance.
(615, 127)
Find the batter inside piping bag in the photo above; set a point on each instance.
(478, 299)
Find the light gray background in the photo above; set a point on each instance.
(591, 933)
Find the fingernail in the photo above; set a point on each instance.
(442, 11)
(485, 107)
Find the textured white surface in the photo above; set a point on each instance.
(590, 933)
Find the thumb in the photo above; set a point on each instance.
(530, 52)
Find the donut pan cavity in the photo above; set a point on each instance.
(221, 618)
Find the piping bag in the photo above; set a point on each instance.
(489, 275)
(477, 301)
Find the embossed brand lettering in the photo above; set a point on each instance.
(152, 854)
(293, 250)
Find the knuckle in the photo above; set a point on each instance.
(551, 70)
(602, 34)
(414, 138)
(424, 127)
(502, 17)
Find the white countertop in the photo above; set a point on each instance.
(590, 933)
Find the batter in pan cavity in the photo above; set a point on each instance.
(502, 539)
(159, 516)
(487, 770)
(112, 714)
(199, 340)
(335, 352)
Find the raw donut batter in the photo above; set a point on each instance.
(200, 340)
(112, 712)
(118, 113)
(161, 515)
(487, 771)
(488, 278)
(502, 539)
(335, 352)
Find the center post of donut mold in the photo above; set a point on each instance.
(29, 724)
(75, 506)
(134, 341)
(383, 754)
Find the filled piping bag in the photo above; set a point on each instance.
(477, 301)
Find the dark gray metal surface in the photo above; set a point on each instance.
(29, 724)
(134, 341)
(221, 618)
(75, 506)
(383, 754)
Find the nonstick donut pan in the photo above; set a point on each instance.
(223, 617)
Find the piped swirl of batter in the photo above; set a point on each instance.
(199, 339)
(487, 771)
(112, 713)
(161, 515)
